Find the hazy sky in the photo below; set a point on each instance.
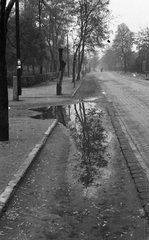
(135, 13)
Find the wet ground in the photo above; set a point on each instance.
(79, 187)
(84, 122)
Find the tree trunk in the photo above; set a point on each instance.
(124, 63)
(59, 84)
(33, 68)
(40, 69)
(79, 63)
(41, 42)
(61, 72)
(4, 123)
(67, 56)
(125, 67)
(74, 69)
(81, 57)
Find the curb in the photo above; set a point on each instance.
(6, 195)
(11, 187)
(136, 171)
(72, 95)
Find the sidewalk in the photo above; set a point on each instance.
(25, 132)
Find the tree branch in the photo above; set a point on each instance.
(8, 9)
(46, 4)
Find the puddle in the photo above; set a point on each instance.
(91, 99)
(89, 136)
(52, 112)
(85, 123)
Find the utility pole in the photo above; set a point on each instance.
(18, 48)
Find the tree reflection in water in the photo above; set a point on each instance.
(89, 137)
(88, 133)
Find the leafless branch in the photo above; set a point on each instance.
(8, 9)
(46, 4)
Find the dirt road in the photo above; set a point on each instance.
(79, 187)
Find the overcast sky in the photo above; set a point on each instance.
(135, 13)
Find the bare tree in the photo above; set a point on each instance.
(142, 41)
(123, 42)
(92, 29)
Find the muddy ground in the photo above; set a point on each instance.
(73, 192)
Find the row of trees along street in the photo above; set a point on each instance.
(45, 27)
(121, 56)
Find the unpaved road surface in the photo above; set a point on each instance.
(71, 193)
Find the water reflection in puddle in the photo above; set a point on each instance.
(84, 121)
(52, 112)
(93, 99)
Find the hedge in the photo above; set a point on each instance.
(28, 81)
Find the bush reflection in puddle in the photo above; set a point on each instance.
(89, 136)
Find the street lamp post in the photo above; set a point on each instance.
(18, 48)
